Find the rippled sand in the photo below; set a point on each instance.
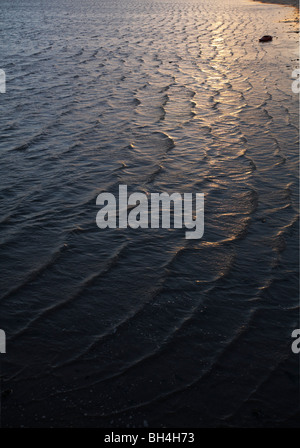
(121, 327)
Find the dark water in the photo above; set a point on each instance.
(142, 327)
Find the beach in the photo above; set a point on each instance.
(139, 326)
(294, 3)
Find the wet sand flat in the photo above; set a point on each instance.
(142, 327)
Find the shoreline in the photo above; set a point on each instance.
(293, 3)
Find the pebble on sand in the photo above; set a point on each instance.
(266, 39)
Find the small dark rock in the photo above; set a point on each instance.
(266, 39)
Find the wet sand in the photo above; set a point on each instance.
(141, 327)
(282, 2)
(295, 3)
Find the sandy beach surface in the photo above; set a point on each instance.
(125, 327)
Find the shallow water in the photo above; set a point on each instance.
(142, 327)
